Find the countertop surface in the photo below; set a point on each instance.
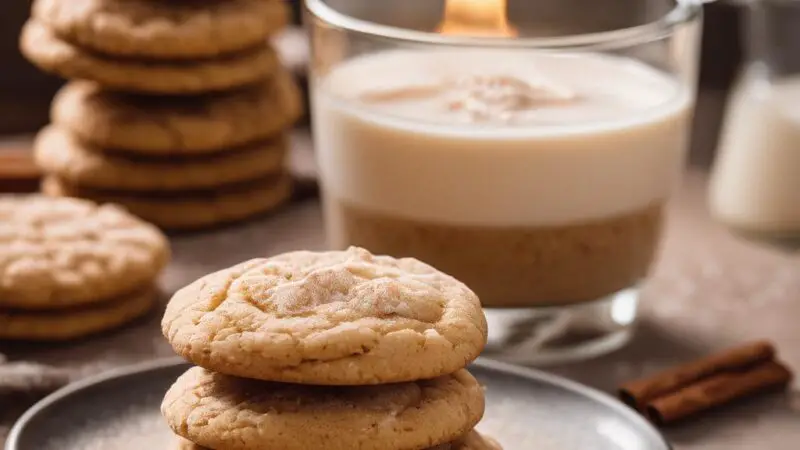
(710, 290)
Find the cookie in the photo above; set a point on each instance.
(220, 411)
(61, 253)
(331, 318)
(58, 153)
(163, 29)
(177, 125)
(72, 324)
(41, 46)
(188, 210)
(472, 441)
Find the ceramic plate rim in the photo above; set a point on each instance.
(15, 434)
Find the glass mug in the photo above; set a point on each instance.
(533, 166)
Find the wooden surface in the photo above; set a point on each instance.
(710, 290)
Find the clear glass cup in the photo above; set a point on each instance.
(534, 168)
(755, 183)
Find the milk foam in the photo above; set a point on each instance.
(601, 137)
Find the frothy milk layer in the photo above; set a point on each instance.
(499, 138)
(756, 182)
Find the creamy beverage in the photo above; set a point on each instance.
(756, 181)
(537, 179)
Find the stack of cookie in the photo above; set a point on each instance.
(70, 268)
(177, 110)
(335, 350)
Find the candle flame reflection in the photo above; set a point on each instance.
(487, 18)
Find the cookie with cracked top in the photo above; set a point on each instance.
(74, 323)
(178, 125)
(59, 153)
(188, 210)
(163, 29)
(219, 411)
(65, 253)
(329, 318)
(45, 49)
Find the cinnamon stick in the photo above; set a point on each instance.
(717, 390)
(639, 393)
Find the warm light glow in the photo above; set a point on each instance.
(476, 18)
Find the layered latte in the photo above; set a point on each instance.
(536, 179)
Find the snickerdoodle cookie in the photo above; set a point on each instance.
(78, 322)
(58, 153)
(220, 411)
(335, 318)
(175, 125)
(50, 53)
(61, 253)
(163, 29)
(189, 210)
(472, 441)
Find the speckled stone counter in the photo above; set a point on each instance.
(710, 290)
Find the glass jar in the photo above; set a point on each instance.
(755, 183)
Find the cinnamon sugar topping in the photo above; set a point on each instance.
(500, 97)
(481, 98)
